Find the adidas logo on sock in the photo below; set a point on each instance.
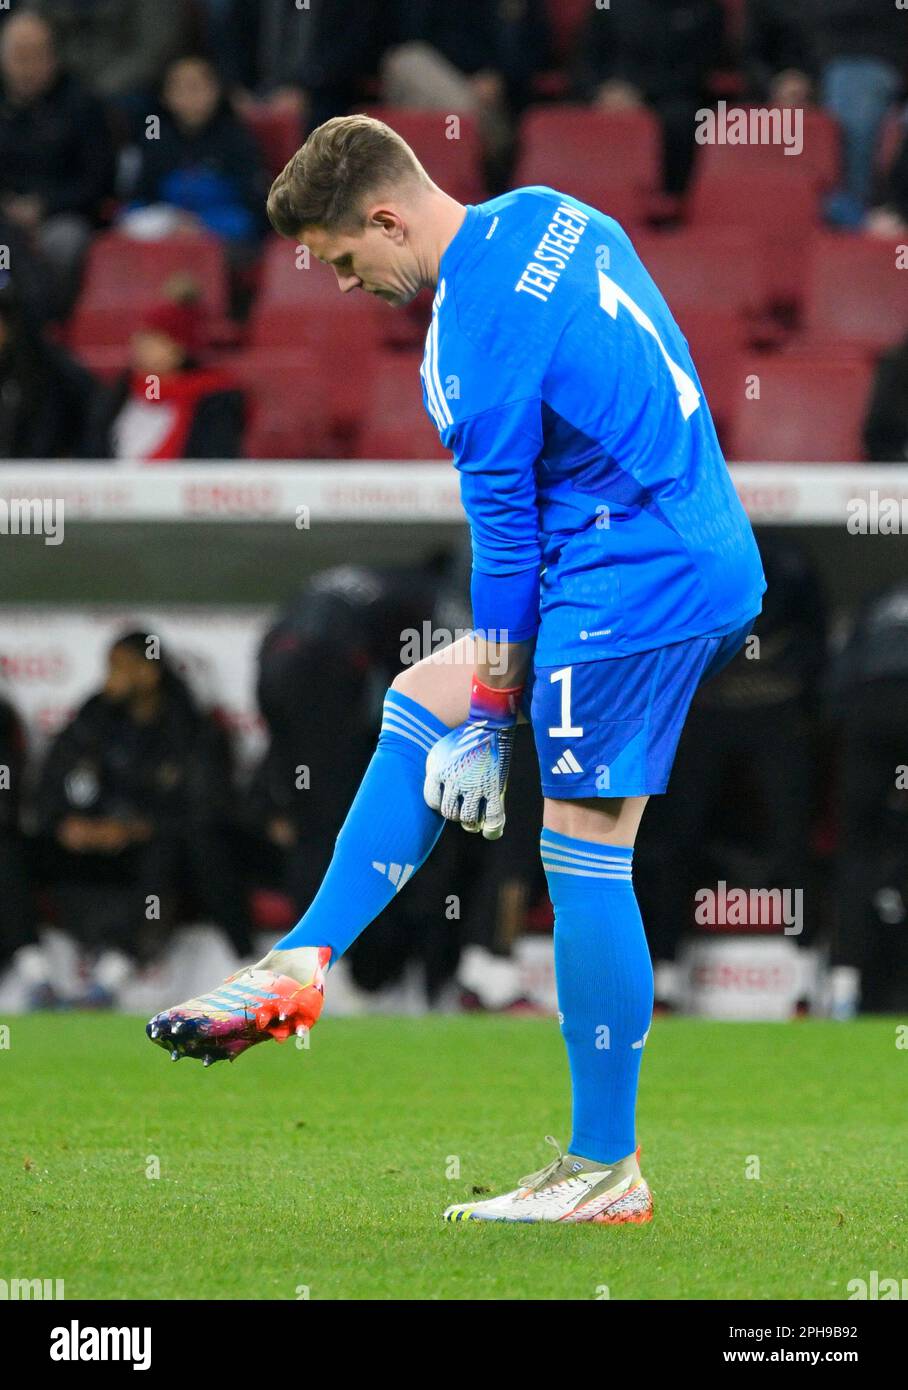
(567, 763)
(399, 874)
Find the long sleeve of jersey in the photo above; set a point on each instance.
(495, 453)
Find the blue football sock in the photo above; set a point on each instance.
(605, 988)
(388, 833)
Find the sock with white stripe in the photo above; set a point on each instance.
(388, 833)
(605, 988)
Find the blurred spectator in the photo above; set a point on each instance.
(168, 406)
(133, 806)
(777, 56)
(118, 48)
(342, 632)
(886, 425)
(852, 55)
(746, 760)
(869, 699)
(259, 49)
(476, 59)
(27, 273)
(890, 219)
(45, 396)
(311, 61)
(56, 159)
(657, 53)
(204, 162)
(18, 940)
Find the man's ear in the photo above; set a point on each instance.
(390, 222)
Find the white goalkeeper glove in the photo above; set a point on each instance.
(467, 770)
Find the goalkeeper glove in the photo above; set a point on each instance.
(467, 770)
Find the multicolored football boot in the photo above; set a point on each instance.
(248, 1008)
(570, 1189)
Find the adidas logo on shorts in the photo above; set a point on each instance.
(567, 763)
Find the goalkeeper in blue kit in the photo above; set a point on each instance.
(614, 569)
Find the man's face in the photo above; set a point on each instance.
(191, 93)
(27, 58)
(378, 259)
(129, 675)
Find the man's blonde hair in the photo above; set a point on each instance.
(327, 181)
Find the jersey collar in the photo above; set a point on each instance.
(460, 243)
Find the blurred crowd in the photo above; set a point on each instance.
(148, 118)
(789, 776)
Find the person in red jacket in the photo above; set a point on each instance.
(169, 405)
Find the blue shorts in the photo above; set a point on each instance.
(611, 727)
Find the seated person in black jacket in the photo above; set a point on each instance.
(45, 396)
(169, 406)
(56, 153)
(133, 807)
(655, 53)
(203, 162)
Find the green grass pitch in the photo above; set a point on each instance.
(326, 1170)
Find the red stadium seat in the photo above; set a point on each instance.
(610, 159)
(290, 414)
(454, 163)
(300, 304)
(819, 159)
(303, 308)
(124, 277)
(105, 363)
(712, 268)
(856, 298)
(279, 135)
(810, 411)
(718, 340)
(395, 424)
(780, 206)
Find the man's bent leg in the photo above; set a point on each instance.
(388, 833)
(389, 830)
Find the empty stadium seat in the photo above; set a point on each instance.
(610, 159)
(395, 424)
(304, 308)
(810, 411)
(300, 304)
(290, 414)
(712, 268)
(856, 297)
(718, 341)
(454, 164)
(779, 206)
(124, 277)
(279, 135)
(819, 160)
(105, 363)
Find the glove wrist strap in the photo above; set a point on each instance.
(499, 705)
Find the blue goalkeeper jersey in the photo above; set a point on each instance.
(603, 517)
